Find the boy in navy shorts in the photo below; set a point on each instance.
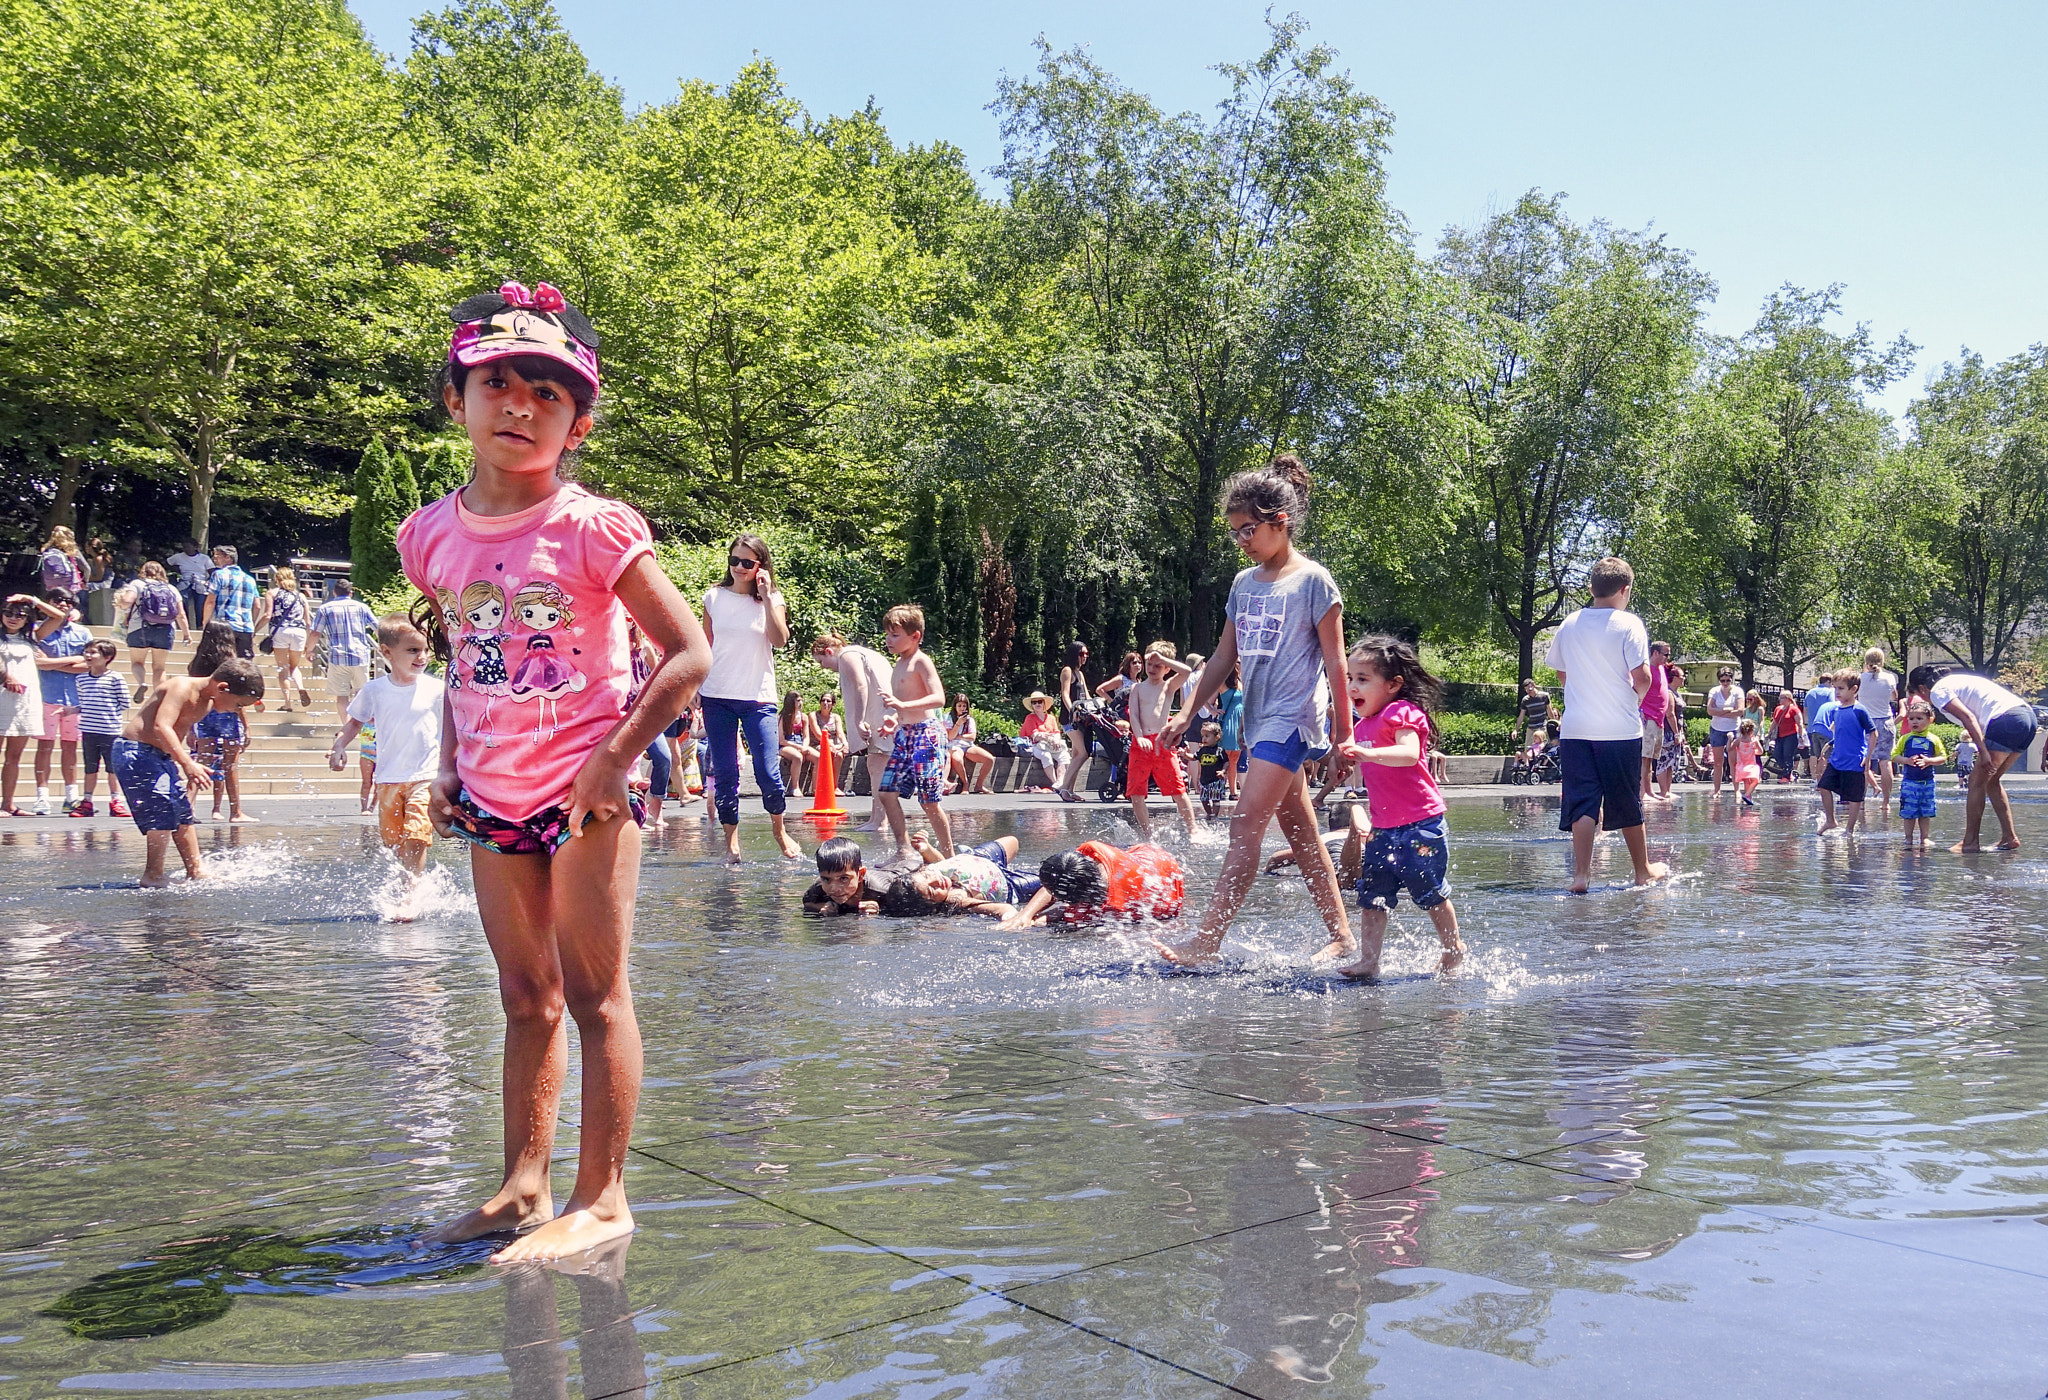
(1849, 728)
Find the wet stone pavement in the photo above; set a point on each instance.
(1779, 1129)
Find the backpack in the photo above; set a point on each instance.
(158, 605)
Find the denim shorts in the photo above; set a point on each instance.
(1415, 857)
(1289, 753)
(2011, 732)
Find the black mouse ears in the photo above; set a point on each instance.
(514, 296)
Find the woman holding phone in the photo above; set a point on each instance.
(747, 621)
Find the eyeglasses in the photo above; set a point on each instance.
(1243, 533)
(733, 561)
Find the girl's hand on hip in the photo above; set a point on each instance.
(599, 791)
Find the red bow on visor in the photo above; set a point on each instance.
(541, 298)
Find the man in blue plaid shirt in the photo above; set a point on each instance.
(231, 597)
(348, 626)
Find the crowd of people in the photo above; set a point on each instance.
(567, 655)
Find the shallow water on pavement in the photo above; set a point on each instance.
(1781, 1127)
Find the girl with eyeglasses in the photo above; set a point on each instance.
(1286, 635)
(747, 621)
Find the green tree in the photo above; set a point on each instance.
(493, 78)
(444, 467)
(385, 494)
(1586, 336)
(204, 215)
(1229, 275)
(1983, 432)
(1777, 472)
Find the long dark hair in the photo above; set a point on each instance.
(743, 540)
(792, 714)
(1396, 660)
(216, 644)
(1280, 487)
(1925, 677)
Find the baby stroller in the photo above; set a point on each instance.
(1099, 727)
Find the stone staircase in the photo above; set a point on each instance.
(287, 753)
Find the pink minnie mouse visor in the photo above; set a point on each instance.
(514, 321)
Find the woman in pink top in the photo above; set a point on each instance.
(1405, 844)
(539, 589)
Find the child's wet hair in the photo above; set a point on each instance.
(242, 677)
(1074, 878)
(1396, 660)
(1278, 488)
(903, 901)
(216, 645)
(425, 616)
(838, 855)
(1917, 708)
(905, 617)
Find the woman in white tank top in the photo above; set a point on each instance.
(747, 621)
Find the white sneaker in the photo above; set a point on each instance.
(42, 807)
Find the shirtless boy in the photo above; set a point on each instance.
(1152, 705)
(863, 680)
(154, 766)
(917, 763)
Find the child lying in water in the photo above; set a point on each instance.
(979, 881)
(1100, 881)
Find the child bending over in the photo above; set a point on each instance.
(153, 765)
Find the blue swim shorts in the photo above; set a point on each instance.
(1289, 753)
(1916, 799)
(154, 786)
(1415, 857)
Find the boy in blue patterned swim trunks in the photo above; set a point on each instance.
(1918, 752)
(917, 764)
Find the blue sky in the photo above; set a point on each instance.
(1897, 149)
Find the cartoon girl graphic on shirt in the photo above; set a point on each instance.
(451, 627)
(544, 674)
(483, 608)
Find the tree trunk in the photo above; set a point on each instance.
(202, 507)
(71, 476)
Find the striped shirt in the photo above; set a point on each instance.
(101, 699)
(234, 598)
(346, 624)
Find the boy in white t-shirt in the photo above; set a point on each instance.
(405, 706)
(1602, 658)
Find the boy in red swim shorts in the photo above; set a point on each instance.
(1152, 760)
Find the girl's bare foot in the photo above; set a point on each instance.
(1194, 952)
(2006, 846)
(1364, 967)
(495, 1216)
(790, 849)
(1657, 872)
(571, 1232)
(1577, 887)
(1339, 948)
(1451, 958)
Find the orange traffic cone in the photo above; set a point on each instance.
(825, 795)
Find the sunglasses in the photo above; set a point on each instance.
(733, 561)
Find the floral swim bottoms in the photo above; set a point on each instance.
(917, 765)
(539, 835)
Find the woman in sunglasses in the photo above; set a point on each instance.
(747, 622)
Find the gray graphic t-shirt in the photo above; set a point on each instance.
(1278, 653)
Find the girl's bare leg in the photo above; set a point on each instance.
(515, 896)
(1077, 761)
(594, 880)
(1297, 815)
(790, 849)
(10, 772)
(1265, 786)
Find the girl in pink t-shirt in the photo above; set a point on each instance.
(1404, 844)
(538, 589)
